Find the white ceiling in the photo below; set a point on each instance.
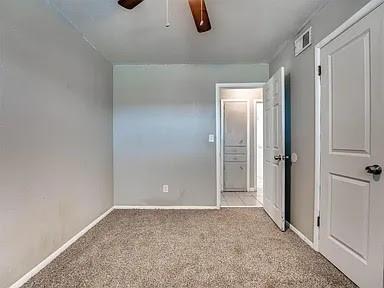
(244, 31)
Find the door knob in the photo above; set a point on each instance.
(374, 169)
(277, 157)
(281, 157)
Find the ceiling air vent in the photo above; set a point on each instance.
(303, 41)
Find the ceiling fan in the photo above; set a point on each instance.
(198, 9)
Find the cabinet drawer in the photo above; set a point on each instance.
(235, 158)
(235, 150)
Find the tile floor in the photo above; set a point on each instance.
(241, 199)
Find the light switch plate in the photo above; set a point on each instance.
(165, 188)
(211, 138)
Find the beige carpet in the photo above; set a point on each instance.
(232, 247)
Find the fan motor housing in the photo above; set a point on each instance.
(129, 4)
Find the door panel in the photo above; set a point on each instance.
(235, 176)
(350, 134)
(235, 123)
(274, 146)
(352, 138)
(275, 131)
(352, 213)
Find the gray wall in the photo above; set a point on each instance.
(162, 117)
(55, 135)
(301, 71)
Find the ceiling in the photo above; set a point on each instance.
(243, 31)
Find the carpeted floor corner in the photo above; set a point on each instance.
(231, 247)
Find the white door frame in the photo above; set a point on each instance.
(255, 140)
(219, 153)
(372, 5)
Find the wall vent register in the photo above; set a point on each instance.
(303, 41)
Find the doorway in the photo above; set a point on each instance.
(241, 145)
(272, 95)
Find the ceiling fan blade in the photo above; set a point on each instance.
(129, 4)
(200, 15)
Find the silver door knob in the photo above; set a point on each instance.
(281, 157)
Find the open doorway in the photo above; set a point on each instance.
(241, 145)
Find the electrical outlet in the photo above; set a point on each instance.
(165, 189)
(211, 138)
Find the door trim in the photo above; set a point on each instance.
(219, 141)
(367, 9)
(255, 140)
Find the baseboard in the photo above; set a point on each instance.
(252, 189)
(51, 257)
(301, 235)
(121, 207)
(249, 206)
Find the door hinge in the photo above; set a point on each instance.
(318, 221)
(319, 70)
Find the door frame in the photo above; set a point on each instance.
(219, 141)
(255, 140)
(222, 103)
(368, 8)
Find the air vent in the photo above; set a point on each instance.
(303, 41)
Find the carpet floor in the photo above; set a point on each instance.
(231, 247)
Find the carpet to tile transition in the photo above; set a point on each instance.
(189, 248)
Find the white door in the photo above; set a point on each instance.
(352, 138)
(274, 149)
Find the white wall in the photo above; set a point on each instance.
(162, 117)
(301, 72)
(55, 135)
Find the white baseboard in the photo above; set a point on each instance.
(24, 279)
(122, 207)
(51, 257)
(301, 235)
(248, 206)
(252, 189)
